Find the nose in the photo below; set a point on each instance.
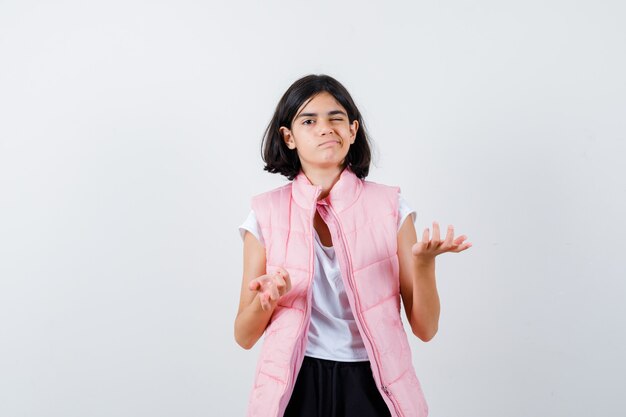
(325, 128)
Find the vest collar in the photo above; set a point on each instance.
(343, 194)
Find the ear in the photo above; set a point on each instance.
(287, 137)
(354, 127)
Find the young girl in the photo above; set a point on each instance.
(327, 258)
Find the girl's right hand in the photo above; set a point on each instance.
(271, 287)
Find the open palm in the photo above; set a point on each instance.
(430, 247)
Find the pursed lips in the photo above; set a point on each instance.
(328, 141)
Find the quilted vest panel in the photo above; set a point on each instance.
(362, 219)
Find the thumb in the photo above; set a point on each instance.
(254, 285)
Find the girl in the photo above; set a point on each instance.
(327, 258)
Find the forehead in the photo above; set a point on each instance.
(320, 103)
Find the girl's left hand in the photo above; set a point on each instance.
(427, 249)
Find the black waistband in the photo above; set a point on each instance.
(309, 360)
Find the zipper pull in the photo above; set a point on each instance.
(386, 390)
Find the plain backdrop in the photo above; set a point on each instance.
(130, 137)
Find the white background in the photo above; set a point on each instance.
(130, 139)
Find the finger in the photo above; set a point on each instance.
(447, 243)
(280, 283)
(267, 285)
(272, 291)
(254, 285)
(278, 273)
(425, 237)
(285, 276)
(464, 246)
(282, 271)
(257, 283)
(459, 240)
(421, 245)
(262, 301)
(266, 302)
(436, 234)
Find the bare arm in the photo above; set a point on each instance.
(259, 293)
(417, 275)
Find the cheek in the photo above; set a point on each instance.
(347, 131)
(348, 135)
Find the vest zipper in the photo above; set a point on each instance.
(357, 311)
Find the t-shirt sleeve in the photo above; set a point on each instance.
(251, 225)
(404, 210)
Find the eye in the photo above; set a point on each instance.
(306, 122)
(339, 119)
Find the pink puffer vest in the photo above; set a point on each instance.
(362, 218)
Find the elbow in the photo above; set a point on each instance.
(245, 341)
(425, 335)
(428, 337)
(247, 345)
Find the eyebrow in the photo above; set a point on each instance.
(330, 113)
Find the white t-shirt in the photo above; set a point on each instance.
(333, 333)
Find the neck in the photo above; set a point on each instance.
(324, 177)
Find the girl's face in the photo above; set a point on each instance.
(321, 133)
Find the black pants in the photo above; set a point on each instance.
(335, 389)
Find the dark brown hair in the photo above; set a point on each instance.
(279, 158)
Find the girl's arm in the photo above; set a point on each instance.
(259, 293)
(418, 286)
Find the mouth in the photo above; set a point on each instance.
(329, 142)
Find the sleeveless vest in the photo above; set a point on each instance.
(362, 219)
